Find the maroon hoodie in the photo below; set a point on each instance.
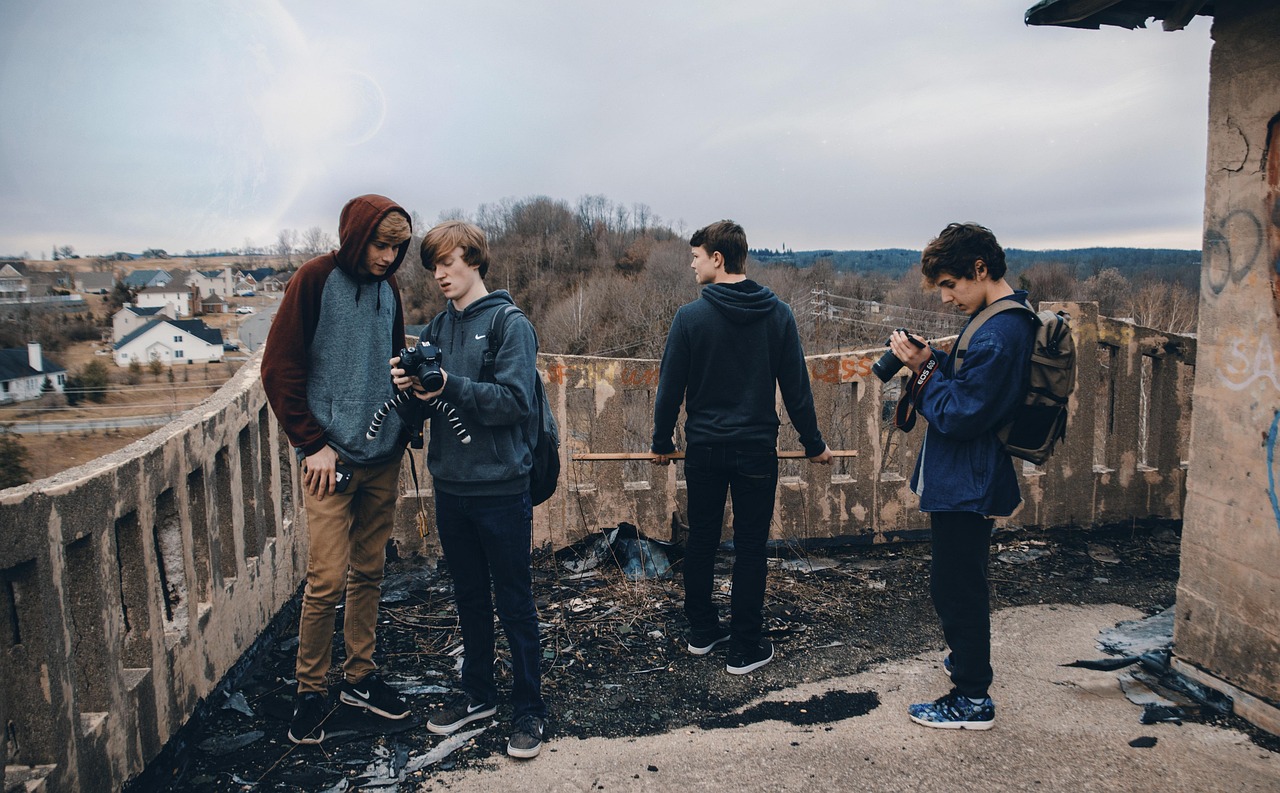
(324, 367)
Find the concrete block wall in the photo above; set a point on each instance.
(1123, 458)
(1228, 622)
(130, 585)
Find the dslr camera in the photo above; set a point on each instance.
(889, 365)
(423, 362)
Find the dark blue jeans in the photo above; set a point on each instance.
(749, 474)
(962, 597)
(486, 542)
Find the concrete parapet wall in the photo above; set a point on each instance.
(130, 585)
(1123, 458)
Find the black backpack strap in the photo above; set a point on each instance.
(497, 325)
(433, 327)
(962, 344)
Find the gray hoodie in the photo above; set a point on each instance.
(499, 415)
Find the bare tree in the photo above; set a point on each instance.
(1051, 281)
(1109, 289)
(286, 241)
(1170, 307)
(316, 241)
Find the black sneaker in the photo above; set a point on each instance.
(374, 696)
(526, 737)
(742, 661)
(309, 713)
(459, 711)
(703, 642)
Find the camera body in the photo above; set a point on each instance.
(889, 365)
(423, 362)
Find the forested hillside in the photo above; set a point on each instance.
(601, 278)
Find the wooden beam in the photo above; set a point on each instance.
(602, 456)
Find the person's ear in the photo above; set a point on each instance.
(979, 270)
(718, 259)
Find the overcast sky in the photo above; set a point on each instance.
(862, 124)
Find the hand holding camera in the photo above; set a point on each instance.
(890, 363)
(421, 361)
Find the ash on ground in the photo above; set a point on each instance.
(614, 653)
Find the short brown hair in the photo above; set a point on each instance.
(728, 239)
(956, 251)
(446, 236)
(394, 229)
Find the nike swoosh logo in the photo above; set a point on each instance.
(478, 338)
(359, 693)
(474, 708)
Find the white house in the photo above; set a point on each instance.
(170, 341)
(23, 374)
(212, 282)
(174, 297)
(132, 317)
(13, 284)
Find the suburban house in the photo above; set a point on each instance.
(23, 374)
(214, 304)
(265, 278)
(212, 282)
(93, 283)
(144, 279)
(132, 317)
(13, 283)
(170, 341)
(174, 297)
(246, 284)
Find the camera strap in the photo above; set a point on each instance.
(904, 415)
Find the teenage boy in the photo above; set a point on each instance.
(483, 510)
(727, 354)
(324, 372)
(962, 476)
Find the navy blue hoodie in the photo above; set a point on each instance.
(727, 355)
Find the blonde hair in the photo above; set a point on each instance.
(394, 229)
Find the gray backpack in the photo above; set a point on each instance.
(1035, 426)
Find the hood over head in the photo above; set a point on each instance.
(741, 303)
(356, 226)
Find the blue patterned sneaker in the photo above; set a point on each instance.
(947, 666)
(955, 712)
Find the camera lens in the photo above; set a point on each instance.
(887, 366)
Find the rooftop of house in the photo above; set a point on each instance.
(15, 365)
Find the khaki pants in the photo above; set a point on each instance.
(349, 533)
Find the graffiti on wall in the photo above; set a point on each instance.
(1271, 468)
(1251, 360)
(1244, 239)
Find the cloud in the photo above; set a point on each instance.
(196, 125)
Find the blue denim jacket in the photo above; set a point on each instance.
(961, 466)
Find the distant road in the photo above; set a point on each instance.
(78, 425)
(253, 330)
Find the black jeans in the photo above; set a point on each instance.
(962, 596)
(749, 473)
(486, 541)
